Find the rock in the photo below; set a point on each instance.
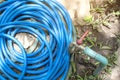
(25, 39)
(115, 72)
(76, 8)
(110, 29)
(1, 1)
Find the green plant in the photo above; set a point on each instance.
(88, 19)
(112, 62)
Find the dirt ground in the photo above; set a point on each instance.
(103, 38)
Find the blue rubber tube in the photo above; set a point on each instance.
(51, 60)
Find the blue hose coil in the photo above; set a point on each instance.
(52, 59)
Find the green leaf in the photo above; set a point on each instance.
(97, 63)
(79, 77)
(91, 77)
(106, 47)
(116, 13)
(106, 23)
(89, 19)
(73, 66)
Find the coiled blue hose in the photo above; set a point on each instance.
(50, 61)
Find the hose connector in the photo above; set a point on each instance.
(91, 53)
(103, 60)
